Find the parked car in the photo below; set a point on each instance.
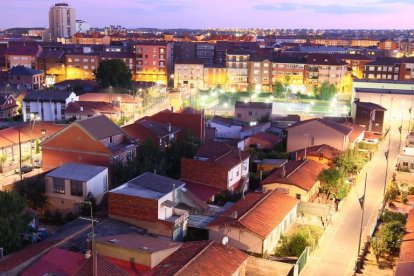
(37, 164)
(25, 169)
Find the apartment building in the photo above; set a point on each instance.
(260, 74)
(289, 70)
(152, 60)
(81, 65)
(237, 62)
(189, 74)
(390, 69)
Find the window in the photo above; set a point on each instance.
(298, 196)
(85, 60)
(58, 185)
(312, 141)
(250, 113)
(76, 188)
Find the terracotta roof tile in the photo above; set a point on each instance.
(100, 127)
(323, 150)
(58, 261)
(300, 173)
(259, 213)
(104, 268)
(202, 258)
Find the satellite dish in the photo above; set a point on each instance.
(225, 240)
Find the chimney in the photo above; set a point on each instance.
(234, 214)
(81, 108)
(169, 127)
(283, 171)
(173, 193)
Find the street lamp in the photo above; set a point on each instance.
(362, 204)
(33, 118)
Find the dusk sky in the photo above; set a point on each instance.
(367, 14)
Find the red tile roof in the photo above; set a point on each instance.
(104, 268)
(300, 173)
(259, 213)
(202, 191)
(25, 254)
(91, 108)
(357, 130)
(222, 153)
(202, 258)
(57, 261)
(271, 138)
(323, 151)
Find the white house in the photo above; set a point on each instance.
(227, 128)
(48, 105)
(405, 160)
(256, 223)
(71, 183)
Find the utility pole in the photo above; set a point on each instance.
(387, 153)
(362, 203)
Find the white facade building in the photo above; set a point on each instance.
(47, 105)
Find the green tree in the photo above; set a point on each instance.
(350, 161)
(185, 147)
(33, 190)
(332, 182)
(287, 84)
(302, 237)
(278, 89)
(13, 220)
(327, 91)
(113, 73)
(388, 238)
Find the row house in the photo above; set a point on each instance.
(390, 69)
(47, 105)
(257, 222)
(189, 74)
(237, 66)
(80, 110)
(298, 178)
(152, 61)
(81, 65)
(253, 111)
(29, 78)
(94, 141)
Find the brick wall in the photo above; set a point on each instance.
(204, 172)
(141, 212)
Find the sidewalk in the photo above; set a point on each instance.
(337, 251)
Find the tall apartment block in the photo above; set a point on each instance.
(62, 21)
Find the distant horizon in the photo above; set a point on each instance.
(229, 14)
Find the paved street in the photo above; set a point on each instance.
(338, 247)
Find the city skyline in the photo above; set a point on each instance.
(327, 14)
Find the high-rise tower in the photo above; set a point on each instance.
(62, 21)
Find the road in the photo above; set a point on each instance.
(337, 251)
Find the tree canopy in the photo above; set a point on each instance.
(114, 73)
(327, 91)
(279, 89)
(350, 161)
(13, 220)
(333, 183)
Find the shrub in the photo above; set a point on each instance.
(303, 237)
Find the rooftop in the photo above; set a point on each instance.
(202, 258)
(300, 173)
(75, 171)
(258, 212)
(338, 127)
(47, 95)
(100, 127)
(23, 70)
(370, 106)
(323, 150)
(258, 105)
(148, 185)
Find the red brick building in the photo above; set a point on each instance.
(94, 141)
(217, 165)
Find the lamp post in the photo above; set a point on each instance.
(33, 118)
(362, 204)
(20, 155)
(386, 170)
